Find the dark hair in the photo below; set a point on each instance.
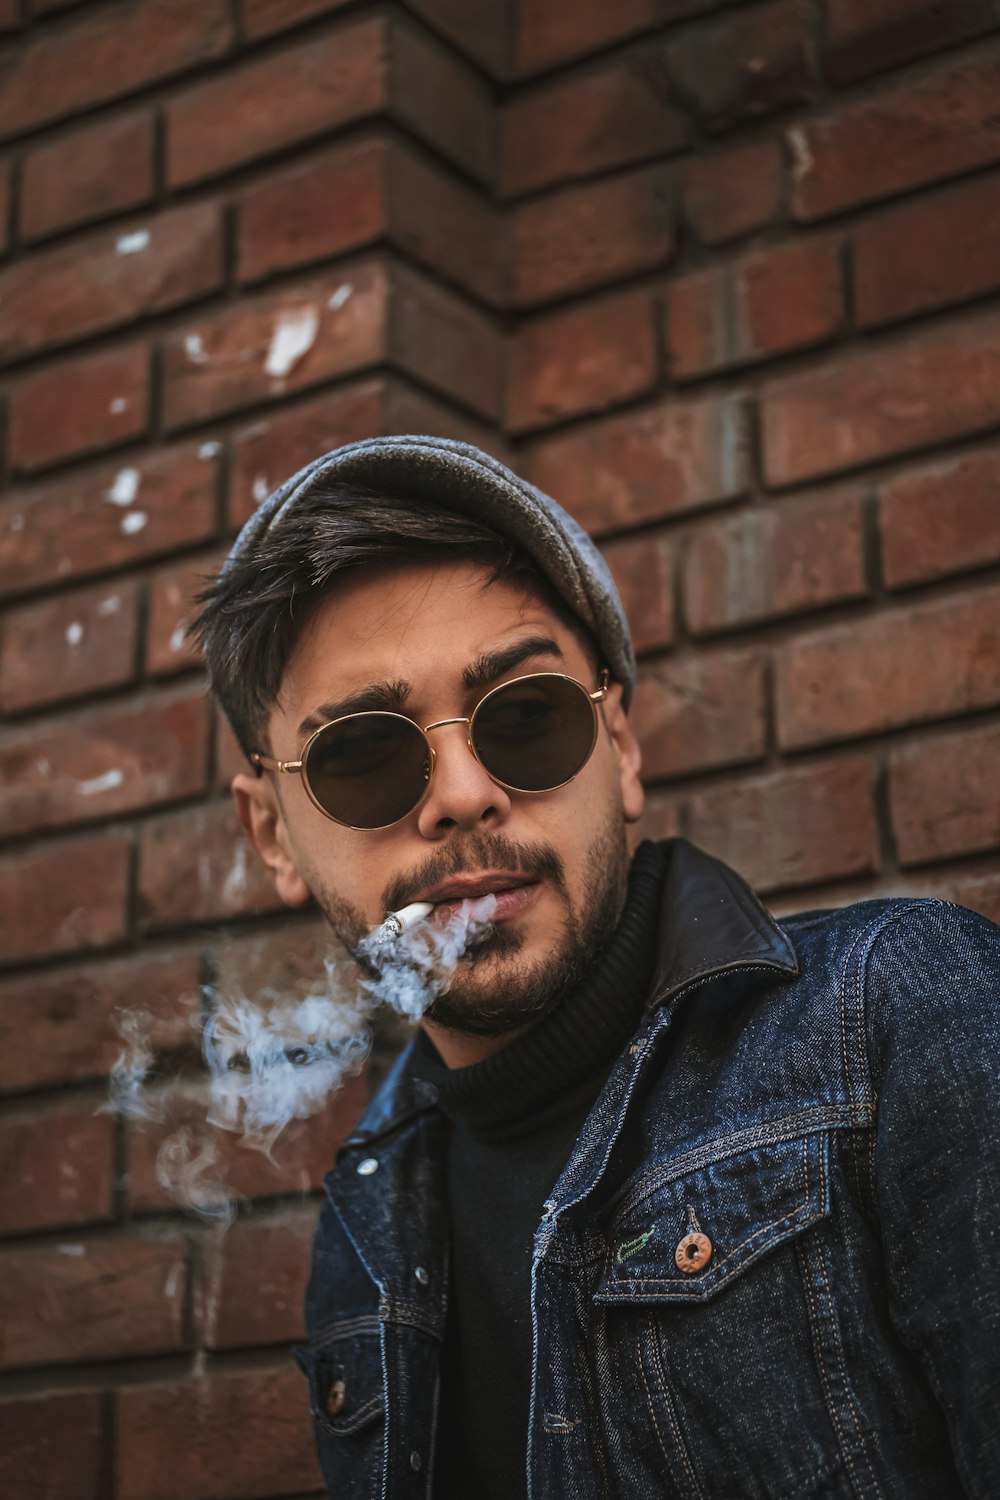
(253, 613)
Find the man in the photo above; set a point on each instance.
(665, 1198)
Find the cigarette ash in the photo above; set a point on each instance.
(282, 1055)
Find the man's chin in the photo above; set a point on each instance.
(501, 991)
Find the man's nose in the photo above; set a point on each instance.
(461, 795)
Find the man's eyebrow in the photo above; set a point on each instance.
(387, 697)
(493, 664)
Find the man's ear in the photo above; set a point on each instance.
(629, 755)
(264, 825)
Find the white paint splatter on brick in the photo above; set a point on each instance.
(125, 487)
(340, 296)
(118, 405)
(261, 488)
(802, 157)
(43, 765)
(74, 633)
(291, 341)
(105, 783)
(134, 243)
(111, 605)
(17, 523)
(209, 450)
(177, 638)
(195, 349)
(72, 1249)
(134, 521)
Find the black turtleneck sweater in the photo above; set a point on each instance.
(515, 1118)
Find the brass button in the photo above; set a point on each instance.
(335, 1398)
(693, 1253)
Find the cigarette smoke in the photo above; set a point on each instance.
(283, 1055)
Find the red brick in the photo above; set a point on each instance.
(442, 100)
(862, 38)
(287, 958)
(97, 171)
(114, 761)
(939, 250)
(480, 28)
(450, 228)
(744, 65)
(699, 712)
(79, 406)
(792, 827)
(69, 646)
(58, 1168)
(295, 338)
(92, 1299)
(661, 819)
(63, 899)
(266, 17)
(197, 866)
(445, 341)
(314, 211)
(901, 138)
(114, 52)
(61, 1027)
(263, 347)
(584, 237)
(5, 194)
(944, 795)
(941, 520)
(731, 193)
(299, 1158)
(889, 670)
(108, 518)
(116, 276)
(172, 594)
(257, 1273)
(606, 117)
(769, 303)
(46, 7)
(193, 1438)
(310, 89)
(940, 384)
(979, 892)
(10, 14)
(52, 1446)
(643, 571)
(774, 560)
(585, 358)
(643, 466)
(549, 31)
(270, 451)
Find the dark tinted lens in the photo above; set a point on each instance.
(368, 770)
(535, 733)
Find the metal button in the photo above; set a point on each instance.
(422, 1276)
(693, 1253)
(335, 1398)
(367, 1167)
(416, 1462)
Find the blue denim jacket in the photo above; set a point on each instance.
(818, 1101)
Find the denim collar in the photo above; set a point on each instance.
(711, 922)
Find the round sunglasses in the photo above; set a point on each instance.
(370, 770)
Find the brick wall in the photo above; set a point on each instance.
(721, 276)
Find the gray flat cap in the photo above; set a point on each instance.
(458, 477)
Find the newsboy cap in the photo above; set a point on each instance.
(458, 477)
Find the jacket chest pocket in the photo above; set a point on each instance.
(344, 1368)
(712, 1312)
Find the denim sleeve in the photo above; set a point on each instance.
(933, 1003)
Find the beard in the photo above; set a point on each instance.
(495, 988)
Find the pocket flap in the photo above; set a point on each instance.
(345, 1378)
(684, 1237)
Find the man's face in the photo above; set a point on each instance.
(557, 860)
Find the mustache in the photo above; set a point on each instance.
(472, 853)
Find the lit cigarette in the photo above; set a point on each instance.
(398, 922)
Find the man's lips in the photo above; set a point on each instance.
(511, 891)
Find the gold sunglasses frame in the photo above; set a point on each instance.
(297, 767)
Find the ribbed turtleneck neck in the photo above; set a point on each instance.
(538, 1075)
